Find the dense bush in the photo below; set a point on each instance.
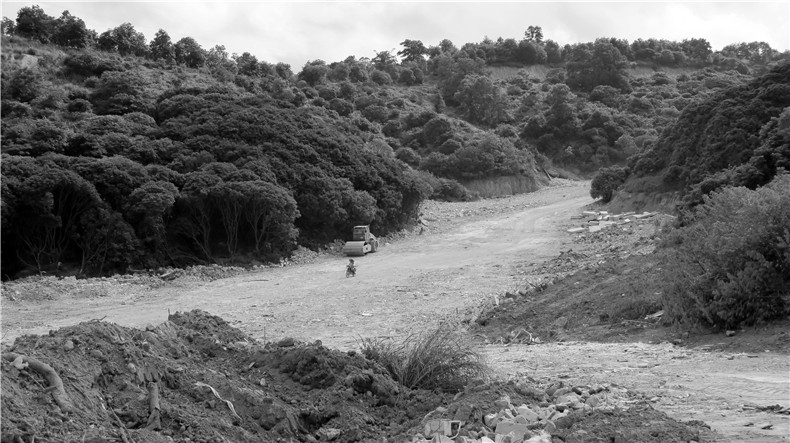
(606, 181)
(731, 264)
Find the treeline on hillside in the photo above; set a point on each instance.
(728, 155)
(218, 175)
(121, 153)
(739, 136)
(587, 113)
(69, 31)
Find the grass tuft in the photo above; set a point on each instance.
(442, 358)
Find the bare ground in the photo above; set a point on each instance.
(470, 255)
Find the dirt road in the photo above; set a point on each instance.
(461, 261)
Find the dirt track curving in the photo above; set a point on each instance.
(467, 256)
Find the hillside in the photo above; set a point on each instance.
(162, 153)
(739, 136)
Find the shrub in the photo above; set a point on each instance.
(408, 156)
(381, 78)
(441, 358)
(451, 191)
(606, 181)
(342, 107)
(732, 261)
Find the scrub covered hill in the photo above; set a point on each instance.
(739, 136)
(119, 153)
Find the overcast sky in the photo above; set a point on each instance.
(295, 32)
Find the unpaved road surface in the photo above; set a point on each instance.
(464, 259)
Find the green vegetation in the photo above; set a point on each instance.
(440, 358)
(735, 137)
(606, 181)
(120, 152)
(730, 265)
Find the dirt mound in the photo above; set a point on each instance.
(195, 378)
(213, 383)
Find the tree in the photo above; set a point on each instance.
(247, 64)
(606, 181)
(217, 57)
(481, 101)
(33, 23)
(451, 70)
(383, 59)
(601, 64)
(534, 34)
(125, 40)
(314, 72)
(553, 51)
(530, 52)
(54, 201)
(413, 50)
(283, 70)
(196, 211)
(71, 32)
(188, 52)
(161, 47)
(8, 26)
(270, 211)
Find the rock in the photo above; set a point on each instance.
(286, 342)
(730, 333)
(464, 412)
(328, 434)
(503, 403)
(490, 420)
(563, 422)
(518, 429)
(441, 428)
(553, 389)
(532, 392)
(560, 392)
(150, 327)
(530, 415)
(550, 427)
(68, 345)
(593, 401)
(567, 399)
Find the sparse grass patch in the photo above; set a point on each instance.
(442, 358)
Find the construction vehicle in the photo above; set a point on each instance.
(362, 242)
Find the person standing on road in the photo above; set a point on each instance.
(351, 269)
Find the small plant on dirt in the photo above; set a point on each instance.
(442, 358)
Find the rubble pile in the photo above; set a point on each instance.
(558, 412)
(594, 221)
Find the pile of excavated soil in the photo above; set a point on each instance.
(213, 384)
(196, 379)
